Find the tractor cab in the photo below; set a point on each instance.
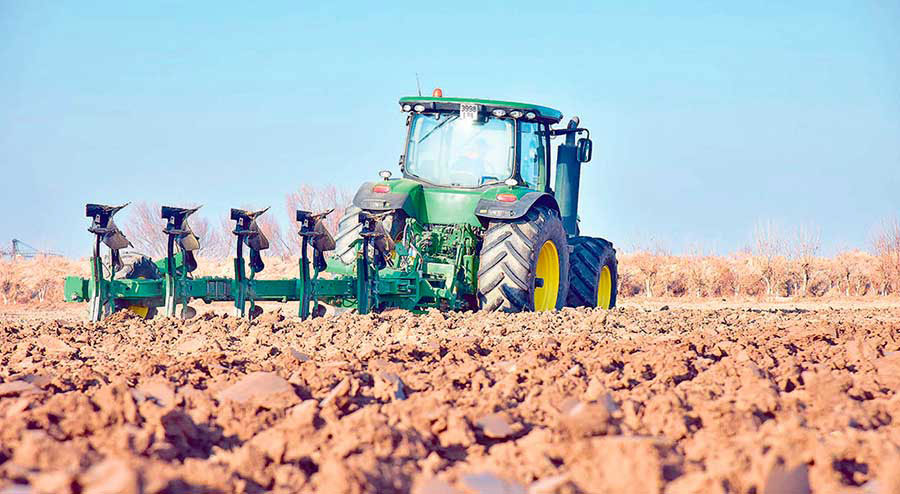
(472, 161)
(476, 143)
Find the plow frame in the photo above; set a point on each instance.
(409, 276)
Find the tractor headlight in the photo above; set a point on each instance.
(419, 108)
(407, 107)
(515, 114)
(499, 113)
(530, 115)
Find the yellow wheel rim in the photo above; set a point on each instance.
(139, 310)
(604, 288)
(548, 271)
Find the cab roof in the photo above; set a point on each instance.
(435, 103)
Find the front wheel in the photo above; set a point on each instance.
(593, 274)
(524, 263)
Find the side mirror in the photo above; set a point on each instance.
(585, 149)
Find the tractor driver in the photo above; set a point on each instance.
(475, 165)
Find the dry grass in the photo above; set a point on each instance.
(848, 274)
(38, 280)
(851, 274)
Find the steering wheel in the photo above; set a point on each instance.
(471, 178)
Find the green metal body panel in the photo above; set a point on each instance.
(432, 205)
(162, 264)
(76, 289)
(450, 206)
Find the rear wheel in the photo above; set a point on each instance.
(348, 231)
(593, 275)
(345, 246)
(137, 266)
(524, 263)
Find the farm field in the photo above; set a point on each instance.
(659, 396)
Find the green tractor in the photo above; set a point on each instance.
(475, 222)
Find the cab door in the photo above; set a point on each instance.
(532, 154)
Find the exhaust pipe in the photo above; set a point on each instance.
(568, 179)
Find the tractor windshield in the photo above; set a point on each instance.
(445, 149)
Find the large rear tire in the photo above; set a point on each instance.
(137, 266)
(349, 227)
(348, 232)
(524, 263)
(593, 274)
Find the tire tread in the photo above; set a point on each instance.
(509, 249)
(588, 255)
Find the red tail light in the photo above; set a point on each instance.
(507, 198)
(381, 189)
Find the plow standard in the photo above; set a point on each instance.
(473, 224)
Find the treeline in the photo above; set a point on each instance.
(848, 274)
(775, 264)
(641, 274)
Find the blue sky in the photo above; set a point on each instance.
(707, 118)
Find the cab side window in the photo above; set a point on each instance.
(531, 155)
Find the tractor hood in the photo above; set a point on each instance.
(447, 206)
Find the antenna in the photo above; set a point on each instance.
(418, 86)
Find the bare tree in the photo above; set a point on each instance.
(9, 283)
(844, 272)
(854, 269)
(648, 264)
(648, 257)
(271, 228)
(145, 229)
(696, 268)
(214, 242)
(316, 199)
(747, 277)
(719, 277)
(805, 251)
(769, 248)
(886, 244)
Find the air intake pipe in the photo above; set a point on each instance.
(568, 179)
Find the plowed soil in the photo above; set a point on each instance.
(631, 400)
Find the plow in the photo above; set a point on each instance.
(475, 223)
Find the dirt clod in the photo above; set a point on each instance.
(255, 386)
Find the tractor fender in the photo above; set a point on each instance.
(400, 197)
(492, 209)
